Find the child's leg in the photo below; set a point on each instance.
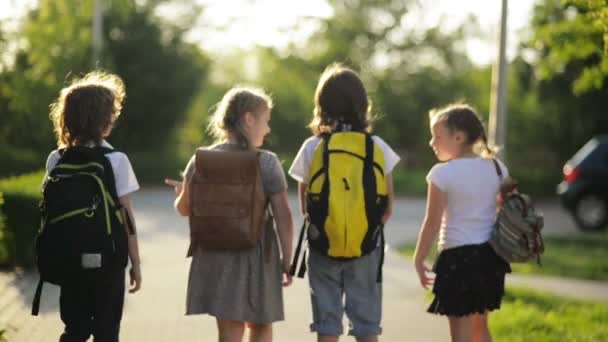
(230, 331)
(109, 293)
(363, 297)
(327, 338)
(75, 310)
(461, 328)
(326, 292)
(481, 330)
(260, 332)
(373, 338)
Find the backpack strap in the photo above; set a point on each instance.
(37, 295)
(381, 262)
(110, 176)
(498, 170)
(294, 262)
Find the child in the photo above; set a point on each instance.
(240, 288)
(461, 206)
(342, 105)
(83, 116)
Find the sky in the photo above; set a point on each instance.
(268, 22)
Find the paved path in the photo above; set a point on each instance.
(156, 313)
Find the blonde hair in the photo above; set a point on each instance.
(226, 121)
(464, 118)
(87, 107)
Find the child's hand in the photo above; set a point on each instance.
(177, 185)
(135, 278)
(423, 274)
(287, 278)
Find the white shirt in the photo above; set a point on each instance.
(126, 182)
(471, 186)
(301, 164)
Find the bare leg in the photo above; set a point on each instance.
(481, 329)
(371, 338)
(327, 338)
(230, 331)
(260, 332)
(461, 328)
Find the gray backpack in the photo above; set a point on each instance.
(516, 235)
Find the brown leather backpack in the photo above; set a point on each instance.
(227, 200)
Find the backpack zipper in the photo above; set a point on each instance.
(79, 166)
(106, 197)
(72, 214)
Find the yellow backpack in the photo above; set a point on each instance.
(346, 197)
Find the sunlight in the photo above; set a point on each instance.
(244, 24)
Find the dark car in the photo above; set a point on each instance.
(584, 190)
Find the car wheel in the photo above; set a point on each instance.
(591, 212)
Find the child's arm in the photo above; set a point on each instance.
(282, 215)
(302, 197)
(135, 271)
(391, 196)
(428, 231)
(182, 191)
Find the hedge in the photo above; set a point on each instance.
(20, 208)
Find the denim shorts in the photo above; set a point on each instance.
(350, 286)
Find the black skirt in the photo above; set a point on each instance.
(468, 279)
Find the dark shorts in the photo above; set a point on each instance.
(469, 279)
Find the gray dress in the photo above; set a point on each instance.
(240, 285)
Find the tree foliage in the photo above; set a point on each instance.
(161, 71)
(573, 32)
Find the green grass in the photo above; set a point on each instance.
(526, 315)
(582, 256)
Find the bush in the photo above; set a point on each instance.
(21, 198)
(17, 161)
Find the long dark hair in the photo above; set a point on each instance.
(340, 98)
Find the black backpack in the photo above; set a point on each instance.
(82, 229)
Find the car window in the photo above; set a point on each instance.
(585, 151)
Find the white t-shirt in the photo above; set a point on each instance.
(301, 164)
(126, 182)
(471, 186)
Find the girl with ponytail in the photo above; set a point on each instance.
(461, 208)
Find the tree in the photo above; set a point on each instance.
(161, 71)
(571, 32)
(569, 64)
(407, 71)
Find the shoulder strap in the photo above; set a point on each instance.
(110, 178)
(36, 301)
(498, 170)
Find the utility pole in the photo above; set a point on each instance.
(498, 97)
(97, 33)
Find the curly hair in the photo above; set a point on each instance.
(340, 98)
(227, 121)
(86, 108)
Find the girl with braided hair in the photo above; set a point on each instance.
(463, 190)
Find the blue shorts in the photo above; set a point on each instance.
(350, 286)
